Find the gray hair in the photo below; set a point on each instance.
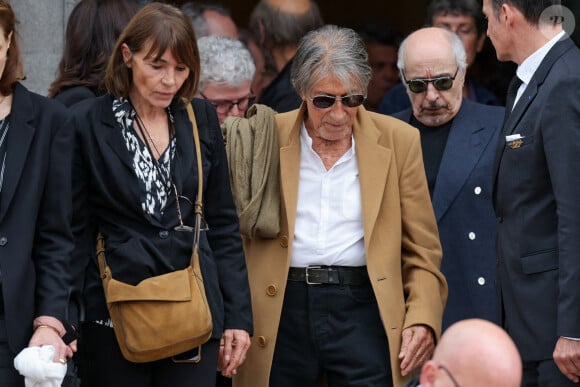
(224, 60)
(331, 51)
(456, 46)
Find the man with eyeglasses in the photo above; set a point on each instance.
(458, 140)
(227, 70)
(350, 288)
(463, 17)
(472, 353)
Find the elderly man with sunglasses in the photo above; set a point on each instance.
(351, 286)
(458, 140)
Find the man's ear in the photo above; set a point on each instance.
(429, 374)
(127, 54)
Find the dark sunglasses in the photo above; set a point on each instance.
(419, 85)
(325, 101)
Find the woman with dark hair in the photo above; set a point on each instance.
(135, 179)
(35, 213)
(92, 30)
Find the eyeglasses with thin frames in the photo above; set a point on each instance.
(449, 374)
(225, 106)
(419, 85)
(182, 226)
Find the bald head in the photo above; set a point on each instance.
(477, 353)
(290, 7)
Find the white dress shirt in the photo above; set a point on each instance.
(528, 67)
(329, 228)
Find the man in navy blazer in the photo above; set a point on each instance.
(458, 141)
(537, 189)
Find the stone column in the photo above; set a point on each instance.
(41, 36)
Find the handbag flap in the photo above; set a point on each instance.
(172, 286)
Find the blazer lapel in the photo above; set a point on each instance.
(373, 166)
(19, 138)
(527, 98)
(113, 136)
(466, 142)
(289, 136)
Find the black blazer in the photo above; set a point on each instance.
(106, 197)
(536, 199)
(35, 214)
(75, 94)
(465, 218)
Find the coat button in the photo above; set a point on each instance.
(3, 241)
(471, 236)
(481, 281)
(261, 341)
(163, 234)
(477, 190)
(271, 290)
(284, 241)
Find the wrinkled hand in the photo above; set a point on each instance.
(48, 336)
(233, 353)
(567, 358)
(417, 346)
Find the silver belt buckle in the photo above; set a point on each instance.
(308, 275)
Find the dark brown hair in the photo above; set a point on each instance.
(166, 28)
(13, 70)
(91, 33)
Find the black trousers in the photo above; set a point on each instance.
(334, 330)
(102, 364)
(544, 374)
(9, 377)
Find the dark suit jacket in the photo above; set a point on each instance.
(536, 198)
(106, 194)
(280, 95)
(72, 95)
(35, 214)
(462, 204)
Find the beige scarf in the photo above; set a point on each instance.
(254, 159)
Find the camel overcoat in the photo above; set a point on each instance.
(400, 233)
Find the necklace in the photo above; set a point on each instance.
(148, 139)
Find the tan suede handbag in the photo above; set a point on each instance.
(165, 315)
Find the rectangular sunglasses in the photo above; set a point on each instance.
(323, 101)
(419, 85)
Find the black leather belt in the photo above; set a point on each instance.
(336, 275)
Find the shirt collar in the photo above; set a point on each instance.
(529, 66)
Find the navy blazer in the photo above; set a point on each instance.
(35, 214)
(463, 208)
(107, 197)
(536, 198)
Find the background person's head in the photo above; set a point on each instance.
(331, 63)
(278, 25)
(465, 18)
(424, 56)
(382, 43)
(11, 68)
(210, 19)
(475, 353)
(227, 71)
(156, 30)
(91, 33)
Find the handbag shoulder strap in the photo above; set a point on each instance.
(199, 199)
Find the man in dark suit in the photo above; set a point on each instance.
(458, 140)
(537, 188)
